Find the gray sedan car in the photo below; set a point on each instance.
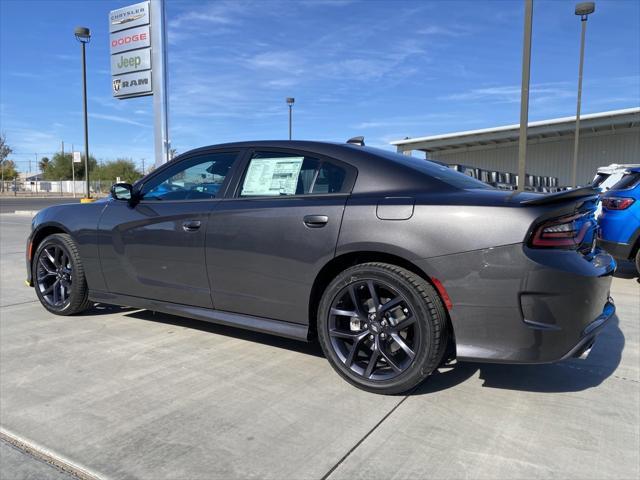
(395, 264)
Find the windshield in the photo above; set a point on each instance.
(628, 180)
(435, 170)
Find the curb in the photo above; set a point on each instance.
(26, 212)
(40, 453)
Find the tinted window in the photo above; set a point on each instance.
(330, 179)
(628, 180)
(600, 177)
(283, 174)
(435, 170)
(193, 179)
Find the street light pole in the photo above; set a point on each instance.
(83, 35)
(582, 9)
(524, 94)
(290, 102)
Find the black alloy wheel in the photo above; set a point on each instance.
(382, 327)
(58, 276)
(54, 275)
(373, 329)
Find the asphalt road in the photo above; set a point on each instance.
(125, 394)
(10, 204)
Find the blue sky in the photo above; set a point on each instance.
(382, 69)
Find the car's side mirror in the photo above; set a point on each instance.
(122, 191)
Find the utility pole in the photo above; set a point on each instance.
(582, 9)
(290, 102)
(143, 166)
(524, 94)
(73, 172)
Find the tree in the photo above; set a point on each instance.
(123, 167)
(44, 163)
(59, 167)
(5, 150)
(9, 170)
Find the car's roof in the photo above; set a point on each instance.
(375, 173)
(379, 171)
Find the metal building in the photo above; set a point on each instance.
(605, 138)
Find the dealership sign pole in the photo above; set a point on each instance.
(138, 62)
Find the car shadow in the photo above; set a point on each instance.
(309, 348)
(626, 269)
(571, 375)
(567, 376)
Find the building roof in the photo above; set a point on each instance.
(556, 127)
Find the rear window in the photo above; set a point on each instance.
(601, 177)
(435, 170)
(628, 180)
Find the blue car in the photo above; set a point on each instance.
(620, 219)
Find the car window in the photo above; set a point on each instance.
(628, 180)
(599, 178)
(435, 170)
(282, 174)
(330, 179)
(198, 178)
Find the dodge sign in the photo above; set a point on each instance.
(130, 44)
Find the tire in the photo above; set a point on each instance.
(638, 261)
(364, 344)
(58, 276)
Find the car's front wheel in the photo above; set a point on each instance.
(382, 327)
(58, 276)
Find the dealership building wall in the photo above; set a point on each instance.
(605, 138)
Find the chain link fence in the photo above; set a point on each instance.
(49, 188)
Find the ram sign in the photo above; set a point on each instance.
(130, 45)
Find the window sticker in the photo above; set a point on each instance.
(272, 176)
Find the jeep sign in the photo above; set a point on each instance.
(134, 84)
(132, 61)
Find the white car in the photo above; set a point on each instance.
(607, 177)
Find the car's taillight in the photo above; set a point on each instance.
(562, 232)
(617, 203)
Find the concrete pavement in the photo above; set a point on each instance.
(128, 394)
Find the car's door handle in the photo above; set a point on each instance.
(315, 221)
(191, 225)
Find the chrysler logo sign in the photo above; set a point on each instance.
(127, 17)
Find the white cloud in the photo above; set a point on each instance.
(115, 118)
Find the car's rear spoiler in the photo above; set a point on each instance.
(574, 194)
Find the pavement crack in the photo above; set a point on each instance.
(366, 435)
(19, 303)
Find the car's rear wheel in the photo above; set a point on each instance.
(58, 275)
(638, 261)
(382, 327)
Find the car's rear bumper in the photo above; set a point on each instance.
(512, 304)
(617, 250)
